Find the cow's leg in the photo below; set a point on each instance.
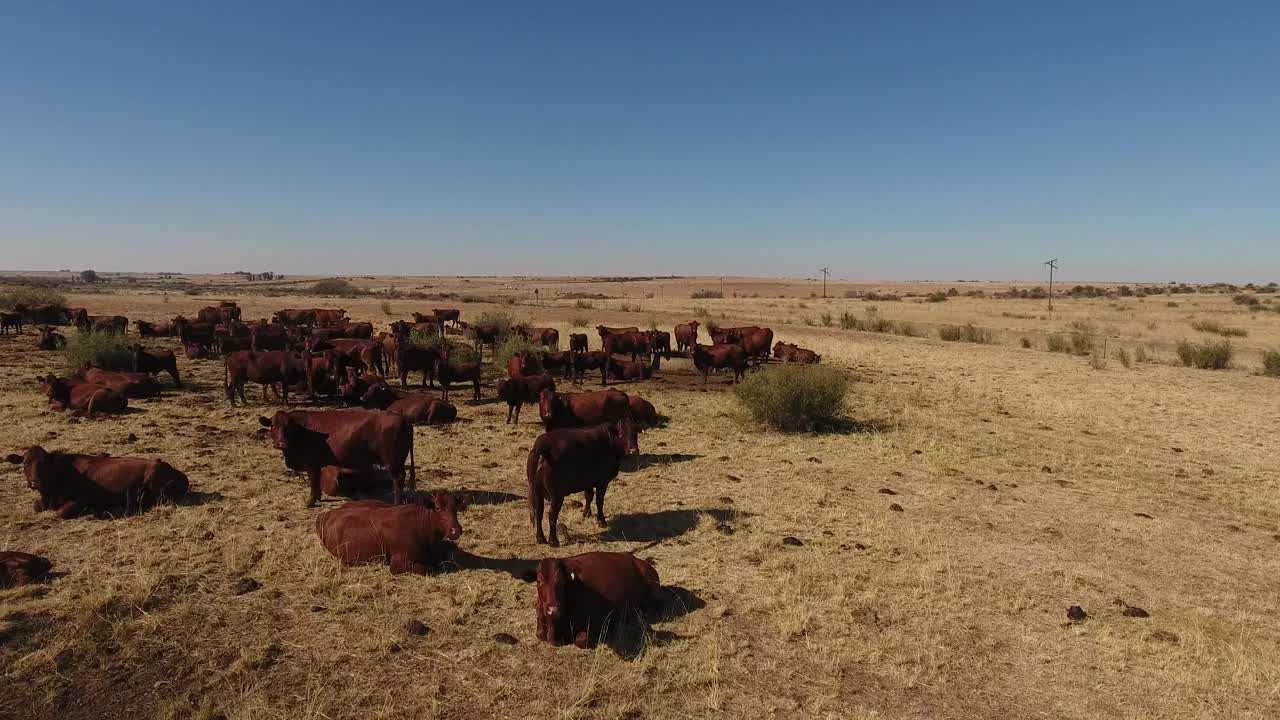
(510, 410)
(313, 479)
(404, 377)
(69, 509)
(581, 639)
(402, 563)
(600, 504)
(586, 502)
(535, 514)
(476, 384)
(554, 517)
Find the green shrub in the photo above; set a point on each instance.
(826, 319)
(936, 297)
(99, 349)
(29, 296)
(1207, 356)
(795, 398)
(511, 346)
(966, 333)
(1123, 356)
(579, 321)
(1271, 363)
(495, 323)
(706, 294)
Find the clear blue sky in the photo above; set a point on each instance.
(1135, 141)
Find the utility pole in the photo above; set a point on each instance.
(721, 286)
(1053, 265)
(825, 272)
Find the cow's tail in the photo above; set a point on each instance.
(413, 470)
(226, 379)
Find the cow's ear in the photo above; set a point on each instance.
(461, 500)
(13, 458)
(264, 422)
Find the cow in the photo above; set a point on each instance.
(794, 353)
(214, 315)
(524, 363)
(562, 361)
(357, 330)
(19, 568)
(485, 335)
(110, 324)
(420, 408)
(195, 351)
(593, 360)
(565, 461)
(328, 318)
(268, 336)
(81, 397)
(266, 368)
(578, 342)
(628, 371)
(520, 391)
(325, 372)
(579, 596)
(294, 317)
(429, 323)
(605, 331)
(643, 411)
(356, 384)
(190, 333)
(357, 439)
(150, 329)
(132, 385)
(390, 343)
(358, 353)
(156, 361)
(715, 357)
(226, 345)
(412, 358)
(10, 321)
(547, 337)
(50, 339)
(634, 344)
(410, 538)
(686, 335)
(757, 343)
(660, 342)
(450, 372)
(444, 315)
(47, 314)
(575, 410)
(233, 329)
(78, 317)
(72, 484)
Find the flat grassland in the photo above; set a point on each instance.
(1028, 481)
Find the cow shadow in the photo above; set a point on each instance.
(458, 559)
(856, 426)
(632, 636)
(646, 460)
(198, 497)
(489, 497)
(662, 525)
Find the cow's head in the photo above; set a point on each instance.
(446, 506)
(379, 395)
(55, 388)
(626, 438)
(299, 444)
(549, 405)
(36, 466)
(441, 412)
(553, 580)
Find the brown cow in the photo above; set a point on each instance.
(156, 361)
(524, 363)
(756, 341)
(226, 345)
(195, 351)
(132, 385)
(571, 410)
(520, 391)
(643, 411)
(72, 484)
(268, 336)
(356, 439)
(593, 360)
(563, 462)
(420, 408)
(150, 329)
(450, 373)
(294, 317)
(82, 397)
(714, 357)
(390, 348)
(75, 316)
(444, 315)
(356, 384)
(547, 337)
(562, 361)
(190, 333)
(795, 354)
(578, 342)
(19, 568)
(50, 339)
(358, 353)
(634, 344)
(410, 538)
(328, 318)
(660, 342)
(579, 596)
(111, 324)
(605, 331)
(686, 335)
(266, 368)
(430, 321)
(628, 371)
(412, 358)
(10, 321)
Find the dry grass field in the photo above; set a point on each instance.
(1028, 481)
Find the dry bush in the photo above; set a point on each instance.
(849, 322)
(826, 319)
(1058, 343)
(1206, 356)
(966, 333)
(1140, 355)
(583, 304)
(808, 321)
(908, 329)
(1248, 300)
(795, 398)
(1098, 360)
(30, 296)
(99, 349)
(1122, 355)
(335, 286)
(628, 307)
(385, 306)
(706, 294)
(1271, 363)
(579, 321)
(1213, 326)
(936, 297)
(1025, 342)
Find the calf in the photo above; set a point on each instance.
(150, 329)
(420, 408)
(364, 354)
(584, 460)
(19, 568)
(562, 361)
(410, 538)
(593, 360)
(132, 385)
(357, 439)
(579, 596)
(82, 397)
(50, 339)
(461, 372)
(578, 342)
(72, 484)
(10, 321)
(196, 351)
(520, 391)
(156, 361)
(686, 335)
(266, 368)
(568, 410)
(716, 357)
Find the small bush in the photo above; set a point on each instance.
(1271, 363)
(1058, 343)
(495, 323)
(1140, 355)
(1122, 356)
(506, 349)
(1097, 360)
(1248, 300)
(385, 305)
(909, 329)
(579, 321)
(849, 322)
(1081, 343)
(826, 319)
(1026, 343)
(99, 349)
(1207, 356)
(29, 296)
(1018, 316)
(192, 291)
(936, 297)
(335, 286)
(1211, 326)
(706, 294)
(583, 304)
(628, 307)
(808, 320)
(1171, 304)
(795, 398)
(966, 333)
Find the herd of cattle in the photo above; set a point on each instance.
(319, 352)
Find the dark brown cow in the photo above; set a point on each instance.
(628, 371)
(547, 337)
(795, 354)
(356, 384)
(75, 316)
(715, 357)
(227, 345)
(410, 538)
(190, 333)
(605, 331)
(575, 410)
(50, 339)
(82, 397)
(643, 411)
(268, 336)
(450, 373)
(233, 329)
(328, 318)
(592, 360)
(46, 314)
(566, 461)
(444, 315)
(427, 320)
(113, 324)
(267, 368)
(581, 595)
(326, 371)
(578, 342)
(634, 344)
(686, 335)
(412, 358)
(524, 363)
(420, 408)
(358, 353)
(520, 391)
(10, 321)
(72, 484)
(660, 342)
(19, 568)
(156, 361)
(195, 351)
(132, 385)
(562, 361)
(294, 317)
(150, 329)
(356, 439)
